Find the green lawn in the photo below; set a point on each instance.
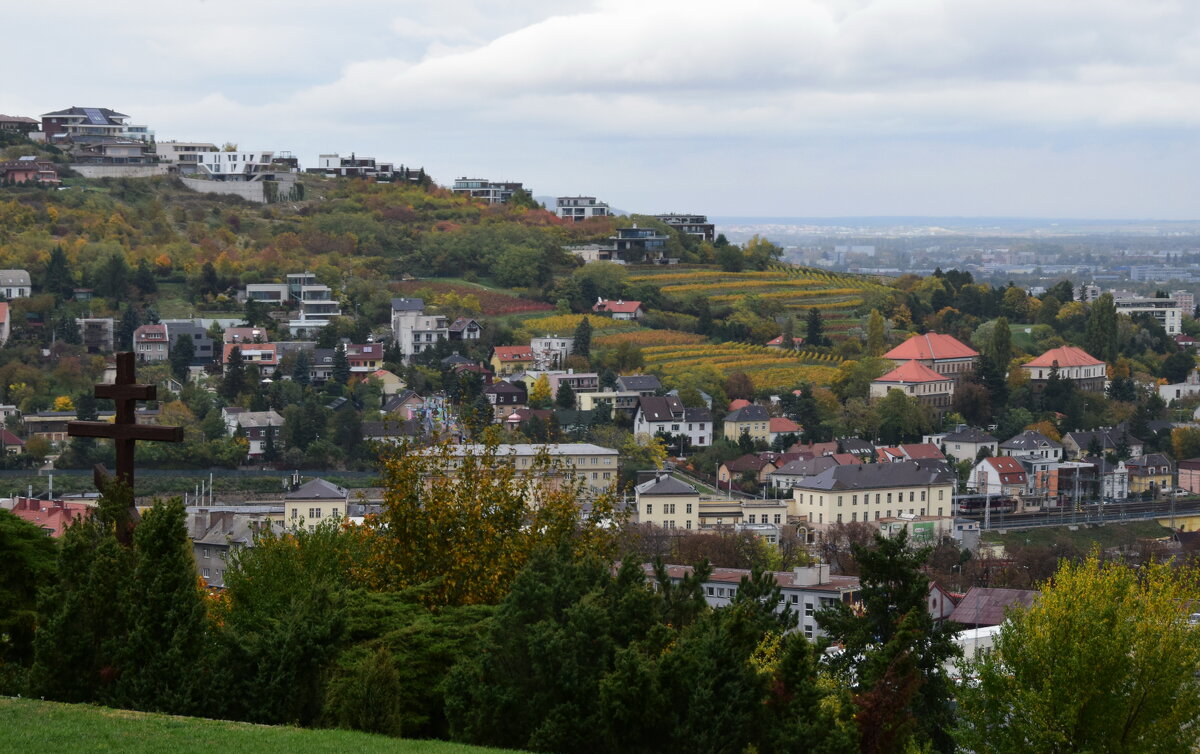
(1109, 535)
(32, 726)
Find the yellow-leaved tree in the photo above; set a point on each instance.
(539, 396)
(64, 403)
(1105, 660)
(460, 522)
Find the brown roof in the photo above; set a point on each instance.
(985, 606)
(931, 346)
(1065, 356)
(913, 371)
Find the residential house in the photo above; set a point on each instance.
(579, 382)
(10, 444)
(184, 156)
(805, 590)
(405, 404)
(15, 284)
(641, 246)
(777, 342)
(944, 354)
(491, 192)
(29, 169)
(1181, 390)
(1032, 444)
(336, 166)
(241, 165)
(1003, 476)
(863, 492)
(752, 420)
(626, 310)
(150, 342)
(265, 356)
(96, 333)
(1107, 439)
(202, 343)
(414, 330)
(642, 384)
(389, 383)
(667, 503)
(464, 328)
(1074, 364)
(315, 501)
(692, 225)
(511, 359)
(1111, 480)
(18, 123)
(786, 476)
(551, 351)
(988, 606)
(579, 208)
(74, 122)
(967, 443)
(52, 516)
(1150, 474)
(666, 415)
(1187, 342)
(109, 150)
(364, 358)
(751, 463)
(505, 396)
(611, 401)
(918, 381)
(781, 426)
(257, 426)
(218, 534)
(592, 252)
(245, 335)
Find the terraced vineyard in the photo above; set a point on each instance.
(770, 368)
(797, 288)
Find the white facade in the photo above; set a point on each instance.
(699, 433)
(15, 284)
(415, 331)
(1181, 390)
(579, 208)
(1167, 311)
(235, 166)
(182, 152)
(551, 351)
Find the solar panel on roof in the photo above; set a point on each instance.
(95, 117)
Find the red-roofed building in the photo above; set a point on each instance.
(150, 343)
(511, 359)
(777, 342)
(54, 516)
(944, 354)
(922, 451)
(918, 381)
(364, 358)
(778, 426)
(999, 475)
(10, 444)
(1074, 364)
(619, 309)
(737, 403)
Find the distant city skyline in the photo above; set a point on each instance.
(788, 108)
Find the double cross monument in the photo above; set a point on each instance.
(124, 430)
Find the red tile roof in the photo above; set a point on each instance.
(778, 340)
(737, 403)
(514, 353)
(913, 371)
(922, 451)
(1065, 356)
(782, 424)
(1009, 469)
(931, 346)
(617, 307)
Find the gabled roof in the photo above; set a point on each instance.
(931, 347)
(504, 386)
(970, 435)
(1149, 459)
(806, 466)
(1065, 356)
(641, 383)
(8, 438)
(748, 462)
(737, 403)
(14, 277)
(911, 372)
(462, 323)
(1108, 437)
(1008, 469)
(699, 414)
(985, 606)
(748, 414)
(379, 429)
(256, 419)
(1030, 439)
(84, 112)
(318, 489)
(513, 353)
(617, 307)
(660, 408)
(399, 399)
(782, 424)
(778, 340)
(881, 476)
(922, 451)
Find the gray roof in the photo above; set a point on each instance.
(1108, 437)
(408, 305)
(857, 446)
(251, 419)
(504, 386)
(14, 277)
(318, 489)
(971, 435)
(805, 466)
(379, 429)
(699, 414)
(639, 383)
(396, 401)
(1029, 440)
(880, 475)
(657, 408)
(665, 484)
(751, 413)
(985, 606)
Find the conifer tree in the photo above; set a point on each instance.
(583, 338)
(340, 373)
(875, 331)
(235, 375)
(301, 369)
(815, 331)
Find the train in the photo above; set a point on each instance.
(975, 505)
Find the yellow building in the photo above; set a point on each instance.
(1150, 473)
(753, 420)
(511, 359)
(598, 467)
(670, 503)
(869, 492)
(315, 501)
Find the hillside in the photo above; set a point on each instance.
(27, 725)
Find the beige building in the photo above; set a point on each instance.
(670, 503)
(313, 502)
(598, 467)
(868, 492)
(918, 381)
(753, 420)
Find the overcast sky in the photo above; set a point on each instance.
(1044, 108)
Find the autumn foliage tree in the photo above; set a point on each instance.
(461, 526)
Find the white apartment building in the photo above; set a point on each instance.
(1166, 310)
(183, 154)
(580, 208)
(235, 166)
(551, 351)
(414, 330)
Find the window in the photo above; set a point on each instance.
(205, 573)
(876, 515)
(295, 513)
(688, 524)
(854, 517)
(649, 508)
(688, 508)
(922, 496)
(890, 497)
(854, 499)
(839, 501)
(808, 608)
(776, 518)
(710, 591)
(911, 496)
(941, 493)
(839, 519)
(314, 512)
